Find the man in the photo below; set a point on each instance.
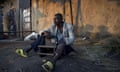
(61, 33)
(11, 13)
(12, 28)
(11, 21)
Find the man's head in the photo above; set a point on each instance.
(58, 19)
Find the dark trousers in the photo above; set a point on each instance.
(39, 41)
(61, 49)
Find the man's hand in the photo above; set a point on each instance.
(46, 34)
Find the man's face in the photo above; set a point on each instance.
(57, 20)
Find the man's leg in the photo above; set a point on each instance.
(59, 51)
(49, 65)
(34, 45)
(39, 41)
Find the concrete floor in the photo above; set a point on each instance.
(81, 62)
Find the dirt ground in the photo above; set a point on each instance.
(84, 61)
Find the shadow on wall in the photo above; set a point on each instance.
(103, 32)
(78, 17)
(86, 31)
(117, 2)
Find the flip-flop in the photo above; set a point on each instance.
(21, 52)
(48, 66)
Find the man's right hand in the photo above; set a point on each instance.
(46, 34)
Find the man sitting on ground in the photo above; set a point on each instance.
(62, 33)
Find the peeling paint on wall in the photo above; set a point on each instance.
(95, 13)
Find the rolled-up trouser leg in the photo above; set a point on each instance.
(34, 45)
(59, 51)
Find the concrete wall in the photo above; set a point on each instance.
(43, 12)
(103, 16)
(90, 17)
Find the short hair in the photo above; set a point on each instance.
(59, 14)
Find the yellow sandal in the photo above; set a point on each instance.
(48, 66)
(21, 52)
